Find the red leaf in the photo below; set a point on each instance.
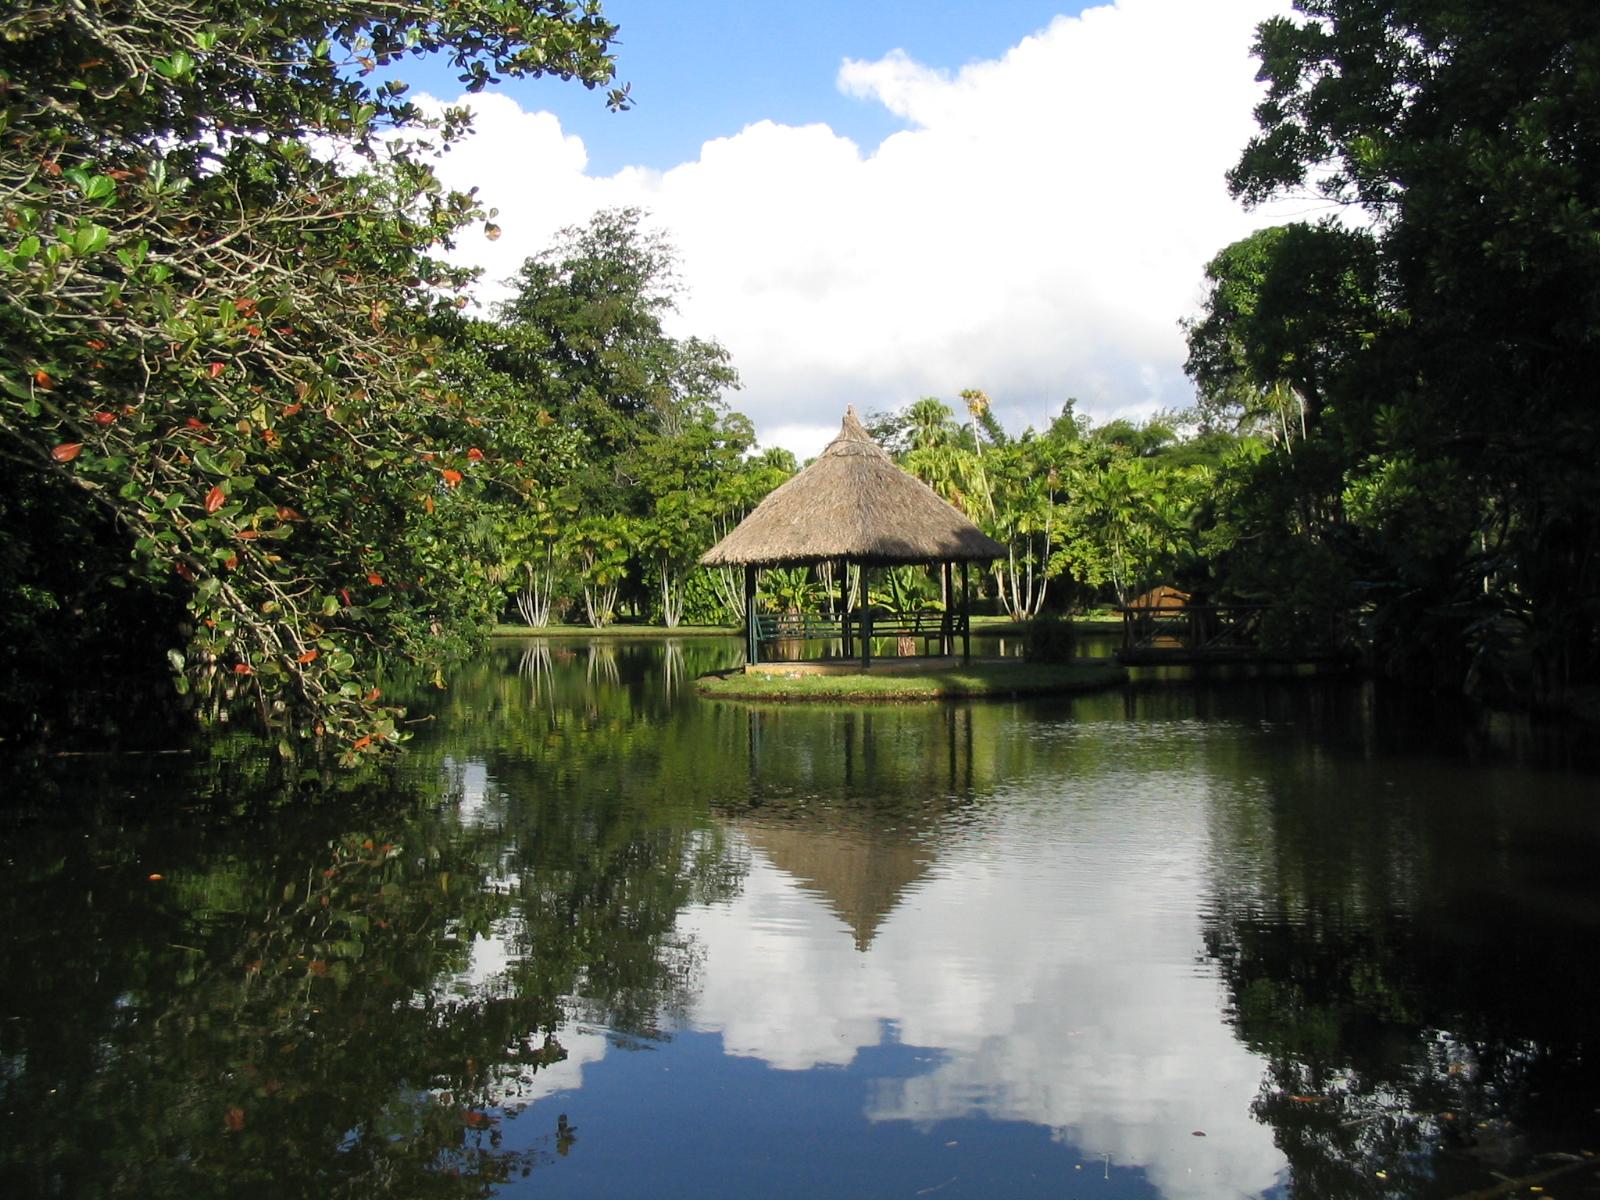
(248, 535)
(427, 503)
(474, 455)
(215, 499)
(243, 669)
(231, 561)
(216, 369)
(451, 478)
(293, 409)
(235, 1119)
(42, 378)
(373, 695)
(289, 514)
(308, 656)
(182, 568)
(344, 594)
(361, 743)
(104, 418)
(195, 423)
(66, 452)
(375, 579)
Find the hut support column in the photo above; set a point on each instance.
(844, 606)
(966, 618)
(946, 628)
(866, 621)
(752, 640)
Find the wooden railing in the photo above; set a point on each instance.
(929, 625)
(1196, 630)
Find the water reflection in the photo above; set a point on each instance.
(1031, 957)
(597, 937)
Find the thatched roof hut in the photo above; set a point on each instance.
(853, 503)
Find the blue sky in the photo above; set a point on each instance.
(874, 202)
(706, 68)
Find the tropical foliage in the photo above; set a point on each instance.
(1427, 375)
(217, 271)
(1101, 513)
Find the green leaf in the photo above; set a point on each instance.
(90, 239)
(177, 67)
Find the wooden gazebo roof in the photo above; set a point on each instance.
(853, 503)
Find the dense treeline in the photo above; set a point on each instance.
(257, 448)
(1425, 363)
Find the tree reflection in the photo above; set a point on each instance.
(251, 1002)
(1407, 964)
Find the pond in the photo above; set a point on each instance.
(596, 937)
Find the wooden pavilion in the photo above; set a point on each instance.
(854, 505)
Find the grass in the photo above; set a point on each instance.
(979, 679)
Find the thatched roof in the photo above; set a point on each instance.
(1163, 598)
(853, 503)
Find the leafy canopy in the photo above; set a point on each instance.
(211, 326)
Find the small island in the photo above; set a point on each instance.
(909, 679)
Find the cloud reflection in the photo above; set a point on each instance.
(1050, 956)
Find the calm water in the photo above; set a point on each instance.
(599, 938)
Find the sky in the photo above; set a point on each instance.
(877, 202)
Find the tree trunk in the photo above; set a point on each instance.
(671, 597)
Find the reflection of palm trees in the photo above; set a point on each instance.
(671, 666)
(535, 666)
(602, 664)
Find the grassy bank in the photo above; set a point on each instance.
(979, 679)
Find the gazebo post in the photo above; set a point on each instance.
(946, 629)
(844, 606)
(866, 621)
(966, 618)
(752, 641)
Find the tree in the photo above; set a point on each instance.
(213, 331)
(588, 315)
(1466, 133)
(681, 477)
(1287, 309)
(581, 347)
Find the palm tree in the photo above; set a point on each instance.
(930, 423)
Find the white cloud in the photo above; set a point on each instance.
(1036, 231)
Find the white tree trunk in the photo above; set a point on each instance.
(534, 600)
(599, 604)
(671, 597)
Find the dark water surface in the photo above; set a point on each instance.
(600, 938)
